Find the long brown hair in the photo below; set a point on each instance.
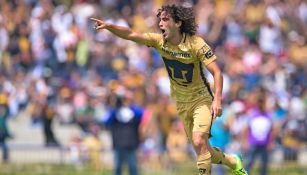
(183, 14)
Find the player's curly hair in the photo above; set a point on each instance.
(183, 14)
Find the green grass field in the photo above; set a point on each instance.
(187, 169)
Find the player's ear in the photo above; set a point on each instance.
(178, 24)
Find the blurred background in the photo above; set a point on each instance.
(60, 80)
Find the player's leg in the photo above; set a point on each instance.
(234, 162)
(219, 157)
(202, 121)
(185, 111)
(200, 142)
(208, 155)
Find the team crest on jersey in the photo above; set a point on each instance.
(207, 52)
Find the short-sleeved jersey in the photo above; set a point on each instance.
(184, 64)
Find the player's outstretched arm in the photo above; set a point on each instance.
(122, 32)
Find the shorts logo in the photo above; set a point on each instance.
(202, 171)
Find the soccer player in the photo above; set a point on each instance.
(184, 55)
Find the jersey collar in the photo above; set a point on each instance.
(182, 45)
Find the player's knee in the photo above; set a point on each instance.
(199, 140)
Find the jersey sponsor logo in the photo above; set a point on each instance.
(176, 54)
(180, 73)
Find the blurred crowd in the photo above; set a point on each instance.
(52, 59)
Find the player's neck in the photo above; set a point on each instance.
(176, 40)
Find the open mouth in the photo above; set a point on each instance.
(163, 32)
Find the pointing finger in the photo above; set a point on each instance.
(96, 20)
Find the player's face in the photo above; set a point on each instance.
(168, 26)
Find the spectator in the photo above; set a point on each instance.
(123, 122)
(260, 138)
(93, 146)
(177, 143)
(4, 132)
(47, 115)
(221, 139)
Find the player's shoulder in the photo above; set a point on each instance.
(196, 41)
(196, 38)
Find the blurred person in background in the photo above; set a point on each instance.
(151, 137)
(123, 120)
(47, 115)
(220, 129)
(176, 143)
(93, 146)
(165, 113)
(4, 131)
(237, 121)
(184, 55)
(290, 141)
(294, 131)
(84, 112)
(260, 135)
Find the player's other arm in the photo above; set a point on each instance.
(206, 55)
(122, 32)
(216, 108)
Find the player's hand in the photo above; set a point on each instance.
(99, 24)
(216, 108)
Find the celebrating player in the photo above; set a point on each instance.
(184, 55)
